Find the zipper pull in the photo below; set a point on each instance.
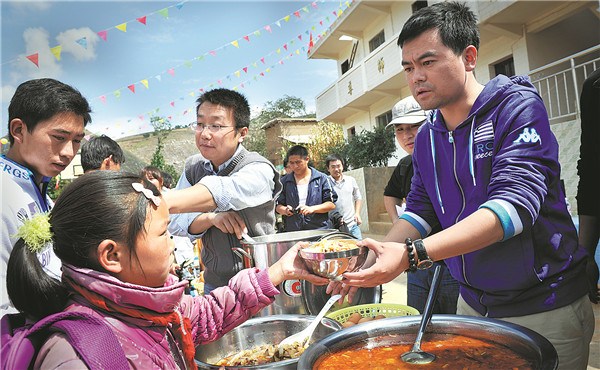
(450, 138)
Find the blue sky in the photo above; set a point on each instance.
(183, 47)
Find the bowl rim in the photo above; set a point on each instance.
(307, 254)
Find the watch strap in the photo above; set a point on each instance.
(421, 251)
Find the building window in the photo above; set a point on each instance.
(351, 133)
(384, 119)
(505, 67)
(419, 5)
(376, 41)
(345, 66)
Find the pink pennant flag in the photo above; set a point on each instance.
(102, 35)
(132, 88)
(201, 90)
(245, 69)
(171, 71)
(262, 60)
(262, 74)
(268, 28)
(242, 85)
(285, 46)
(335, 13)
(34, 58)
(169, 118)
(142, 20)
(185, 112)
(219, 82)
(247, 38)
(141, 117)
(173, 104)
(297, 14)
(321, 23)
(281, 61)
(103, 99)
(213, 53)
(300, 37)
(314, 4)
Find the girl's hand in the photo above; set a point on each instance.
(292, 267)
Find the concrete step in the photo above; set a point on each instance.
(378, 227)
(383, 217)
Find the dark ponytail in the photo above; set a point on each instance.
(31, 290)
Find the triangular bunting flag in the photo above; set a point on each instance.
(179, 6)
(305, 9)
(56, 51)
(247, 38)
(285, 46)
(235, 43)
(171, 71)
(268, 28)
(237, 73)
(254, 64)
(83, 42)
(158, 77)
(188, 64)
(278, 23)
(300, 37)
(173, 104)
(132, 88)
(219, 82)
(286, 18)
(117, 94)
(34, 58)
(257, 33)
(262, 60)
(297, 14)
(278, 51)
(262, 74)
(142, 20)
(145, 83)
(141, 117)
(314, 4)
(164, 12)
(122, 27)
(268, 70)
(213, 53)
(245, 69)
(103, 99)
(102, 35)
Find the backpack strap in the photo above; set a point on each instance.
(90, 336)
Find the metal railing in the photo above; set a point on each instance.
(559, 83)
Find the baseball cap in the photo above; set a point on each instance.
(407, 111)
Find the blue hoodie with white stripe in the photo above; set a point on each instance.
(503, 157)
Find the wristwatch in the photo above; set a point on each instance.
(424, 261)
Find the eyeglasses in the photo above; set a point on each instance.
(199, 127)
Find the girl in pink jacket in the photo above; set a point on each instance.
(110, 231)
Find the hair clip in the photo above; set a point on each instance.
(147, 193)
(36, 232)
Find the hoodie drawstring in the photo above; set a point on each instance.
(437, 185)
(471, 163)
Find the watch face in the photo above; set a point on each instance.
(425, 264)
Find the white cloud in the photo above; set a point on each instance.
(68, 41)
(31, 6)
(7, 93)
(37, 41)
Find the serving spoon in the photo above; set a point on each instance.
(304, 336)
(416, 355)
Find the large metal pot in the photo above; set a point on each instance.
(524, 341)
(268, 249)
(259, 331)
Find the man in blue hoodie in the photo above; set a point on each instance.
(486, 170)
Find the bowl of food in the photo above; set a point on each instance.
(331, 258)
(254, 343)
(459, 342)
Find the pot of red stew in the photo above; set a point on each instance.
(459, 342)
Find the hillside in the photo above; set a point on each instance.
(179, 145)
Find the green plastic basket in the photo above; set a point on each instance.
(372, 310)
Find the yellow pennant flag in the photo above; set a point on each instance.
(192, 93)
(122, 27)
(278, 51)
(117, 93)
(235, 43)
(298, 51)
(286, 18)
(56, 51)
(145, 83)
(164, 12)
(237, 73)
(268, 70)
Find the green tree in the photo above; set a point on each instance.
(326, 138)
(370, 148)
(285, 107)
(162, 129)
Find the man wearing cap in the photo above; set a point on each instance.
(407, 117)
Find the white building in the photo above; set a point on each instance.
(556, 43)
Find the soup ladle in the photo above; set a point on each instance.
(416, 355)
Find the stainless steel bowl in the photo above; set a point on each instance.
(333, 264)
(527, 343)
(259, 331)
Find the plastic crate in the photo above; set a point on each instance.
(372, 310)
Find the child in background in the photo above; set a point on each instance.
(110, 231)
